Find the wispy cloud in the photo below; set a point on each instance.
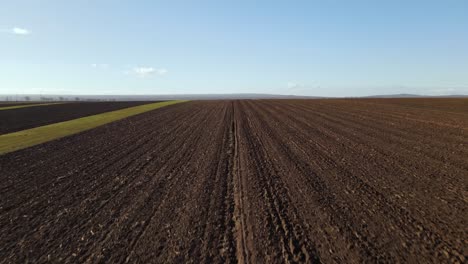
(143, 72)
(100, 65)
(449, 91)
(292, 85)
(20, 31)
(299, 89)
(16, 31)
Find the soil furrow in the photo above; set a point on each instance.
(246, 181)
(243, 254)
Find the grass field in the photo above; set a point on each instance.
(30, 137)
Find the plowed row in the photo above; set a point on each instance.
(18, 119)
(331, 181)
(6, 103)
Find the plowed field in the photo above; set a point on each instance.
(269, 181)
(18, 119)
(5, 104)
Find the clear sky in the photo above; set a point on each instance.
(324, 48)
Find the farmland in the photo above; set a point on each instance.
(29, 116)
(16, 105)
(30, 137)
(248, 181)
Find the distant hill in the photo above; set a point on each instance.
(395, 96)
(86, 98)
(415, 96)
(56, 97)
(238, 96)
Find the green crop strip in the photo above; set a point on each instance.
(24, 106)
(30, 137)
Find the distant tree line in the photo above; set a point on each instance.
(43, 98)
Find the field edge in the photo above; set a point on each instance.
(38, 135)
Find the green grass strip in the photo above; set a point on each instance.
(30, 137)
(23, 106)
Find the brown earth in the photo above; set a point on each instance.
(13, 120)
(458, 105)
(269, 181)
(12, 103)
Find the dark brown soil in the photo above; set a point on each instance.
(458, 105)
(7, 104)
(269, 181)
(24, 118)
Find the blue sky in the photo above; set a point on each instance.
(325, 48)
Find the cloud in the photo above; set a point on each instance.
(449, 91)
(16, 31)
(292, 85)
(147, 71)
(20, 31)
(100, 65)
(299, 88)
